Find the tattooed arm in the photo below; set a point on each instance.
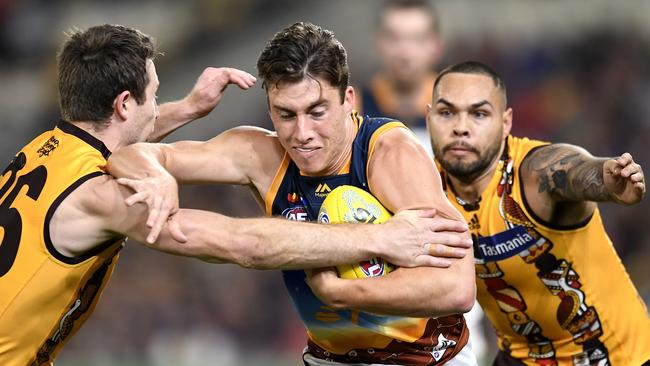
(562, 182)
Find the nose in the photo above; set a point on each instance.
(461, 125)
(303, 132)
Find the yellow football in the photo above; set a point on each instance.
(349, 204)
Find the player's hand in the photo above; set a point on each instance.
(416, 238)
(624, 179)
(210, 85)
(160, 194)
(324, 283)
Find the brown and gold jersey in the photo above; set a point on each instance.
(46, 296)
(556, 295)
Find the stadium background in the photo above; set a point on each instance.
(577, 71)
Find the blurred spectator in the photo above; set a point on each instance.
(408, 46)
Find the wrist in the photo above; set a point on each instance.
(377, 243)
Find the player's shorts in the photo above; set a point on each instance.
(465, 357)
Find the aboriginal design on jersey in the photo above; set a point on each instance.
(574, 314)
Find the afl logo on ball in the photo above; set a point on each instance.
(323, 218)
(373, 267)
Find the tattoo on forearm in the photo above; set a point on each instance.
(567, 174)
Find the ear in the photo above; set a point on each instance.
(427, 114)
(349, 99)
(121, 107)
(507, 122)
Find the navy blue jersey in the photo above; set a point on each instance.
(351, 336)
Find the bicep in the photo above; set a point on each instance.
(227, 158)
(563, 172)
(402, 175)
(560, 181)
(105, 202)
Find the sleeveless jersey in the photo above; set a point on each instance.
(46, 296)
(350, 336)
(556, 295)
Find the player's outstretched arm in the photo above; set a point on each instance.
(202, 99)
(98, 206)
(152, 169)
(272, 243)
(563, 178)
(402, 175)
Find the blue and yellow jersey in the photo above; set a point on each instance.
(46, 296)
(556, 295)
(351, 336)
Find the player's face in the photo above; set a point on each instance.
(407, 44)
(313, 125)
(147, 112)
(468, 124)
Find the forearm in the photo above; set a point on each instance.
(585, 182)
(173, 115)
(265, 243)
(137, 161)
(415, 292)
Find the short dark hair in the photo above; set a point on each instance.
(304, 50)
(423, 5)
(477, 68)
(96, 65)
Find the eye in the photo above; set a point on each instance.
(318, 111)
(445, 113)
(480, 114)
(286, 116)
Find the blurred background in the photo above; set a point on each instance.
(577, 71)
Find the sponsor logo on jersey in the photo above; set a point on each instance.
(504, 244)
(296, 213)
(443, 344)
(293, 197)
(322, 190)
(373, 267)
(48, 147)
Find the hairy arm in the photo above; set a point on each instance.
(562, 182)
(402, 175)
(99, 211)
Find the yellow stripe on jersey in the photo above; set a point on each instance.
(275, 184)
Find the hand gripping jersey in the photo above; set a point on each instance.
(45, 296)
(352, 336)
(556, 295)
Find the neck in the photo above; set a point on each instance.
(469, 189)
(347, 152)
(109, 136)
(404, 87)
